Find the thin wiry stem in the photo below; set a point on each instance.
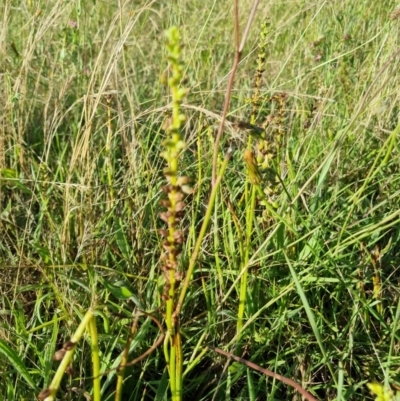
(203, 229)
(155, 345)
(269, 373)
(239, 46)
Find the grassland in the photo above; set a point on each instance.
(300, 277)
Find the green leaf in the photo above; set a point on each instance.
(162, 388)
(122, 242)
(8, 173)
(16, 362)
(11, 179)
(119, 291)
(310, 314)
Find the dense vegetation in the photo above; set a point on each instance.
(297, 270)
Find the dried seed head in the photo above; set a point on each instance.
(59, 355)
(172, 248)
(179, 215)
(166, 275)
(170, 264)
(395, 14)
(68, 345)
(164, 216)
(167, 246)
(164, 233)
(178, 276)
(184, 180)
(318, 57)
(70, 370)
(180, 206)
(44, 394)
(179, 236)
(165, 203)
(167, 188)
(167, 123)
(73, 24)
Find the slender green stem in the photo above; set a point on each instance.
(124, 360)
(108, 156)
(178, 367)
(172, 368)
(310, 315)
(203, 230)
(95, 359)
(68, 352)
(243, 282)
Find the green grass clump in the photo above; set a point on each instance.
(288, 261)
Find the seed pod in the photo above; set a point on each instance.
(70, 370)
(59, 355)
(44, 394)
(68, 345)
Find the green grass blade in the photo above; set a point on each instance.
(16, 362)
(310, 315)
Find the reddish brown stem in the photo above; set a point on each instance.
(156, 344)
(269, 373)
(238, 52)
